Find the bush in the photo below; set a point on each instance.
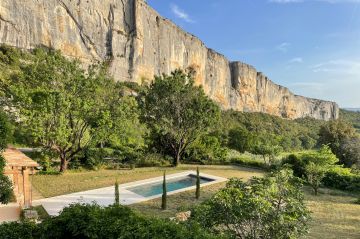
(93, 221)
(244, 161)
(342, 179)
(15, 230)
(297, 164)
(152, 160)
(207, 150)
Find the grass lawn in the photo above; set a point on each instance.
(75, 181)
(334, 213)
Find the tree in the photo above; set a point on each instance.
(164, 194)
(317, 165)
(334, 134)
(241, 139)
(350, 149)
(266, 208)
(64, 107)
(6, 190)
(178, 111)
(197, 192)
(117, 194)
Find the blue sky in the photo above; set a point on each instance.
(309, 46)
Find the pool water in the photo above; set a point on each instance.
(152, 189)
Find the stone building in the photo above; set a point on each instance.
(18, 168)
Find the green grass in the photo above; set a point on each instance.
(335, 213)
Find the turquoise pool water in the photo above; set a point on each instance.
(152, 189)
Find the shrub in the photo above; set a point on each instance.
(245, 161)
(296, 163)
(15, 230)
(152, 160)
(269, 207)
(342, 179)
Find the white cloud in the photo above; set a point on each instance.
(181, 13)
(297, 60)
(283, 47)
(340, 66)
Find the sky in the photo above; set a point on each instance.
(310, 46)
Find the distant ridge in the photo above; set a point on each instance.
(353, 109)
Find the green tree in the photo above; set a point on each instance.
(178, 111)
(117, 193)
(266, 208)
(6, 190)
(267, 151)
(64, 108)
(318, 164)
(350, 149)
(241, 139)
(164, 194)
(197, 192)
(334, 134)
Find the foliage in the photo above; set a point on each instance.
(315, 165)
(350, 150)
(239, 131)
(246, 161)
(206, 150)
(23, 230)
(117, 193)
(270, 207)
(6, 190)
(65, 108)
(164, 194)
(336, 133)
(343, 179)
(351, 117)
(93, 221)
(178, 112)
(197, 192)
(152, 160)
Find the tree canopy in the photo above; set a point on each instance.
(178, 112)
(270, 207)
(63, 107)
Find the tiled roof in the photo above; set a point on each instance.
(14, 157)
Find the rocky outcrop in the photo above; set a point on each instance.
(139, 44)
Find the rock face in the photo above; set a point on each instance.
(139, 44)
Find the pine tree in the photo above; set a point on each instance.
(197, 193)
(164, 195)
(117, 194)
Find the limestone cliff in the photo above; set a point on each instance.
(139, 43)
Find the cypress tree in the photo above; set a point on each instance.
(117, 194)
(164, 195)
(197, 193)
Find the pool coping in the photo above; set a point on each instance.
(105, 196)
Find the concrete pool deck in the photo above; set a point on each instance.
(105, 196)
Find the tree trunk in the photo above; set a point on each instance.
(177, 159)
(63, 165)
(315, 191)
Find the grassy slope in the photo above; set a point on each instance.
(334, 213)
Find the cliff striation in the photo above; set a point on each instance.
(139, 43)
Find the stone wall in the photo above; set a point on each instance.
(140, 43)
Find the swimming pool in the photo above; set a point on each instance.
(152, 189)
